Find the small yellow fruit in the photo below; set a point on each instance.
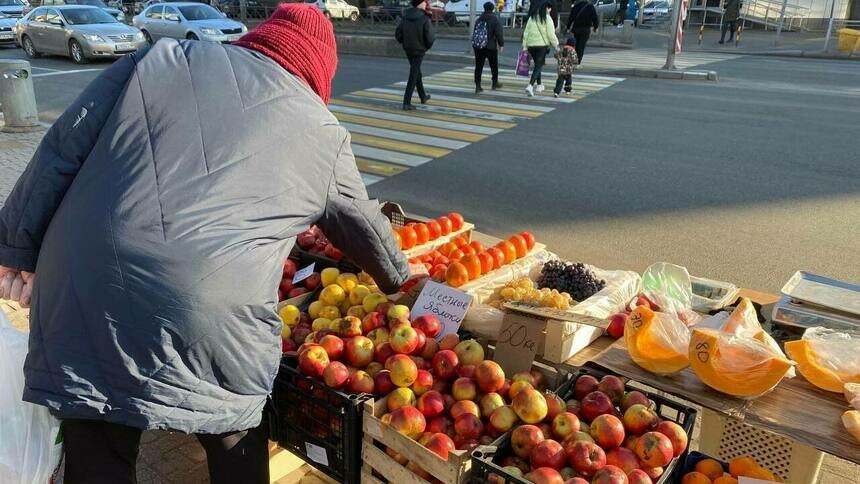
(328, 276)
(332, 295)
(365, 278)
(347, 281)
(310, 337)
(357, 294)
(329, 312)
(320, 324)
(286, 332)
(344, 306)
(740, 465)
(314, 309)
(290, 315)
(372, 300)
(335, 325)
(357, 311)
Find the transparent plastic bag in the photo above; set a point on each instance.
(669, 287)
(29, 452)
(658, 342)
(838, 351)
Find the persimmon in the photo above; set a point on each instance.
(456, 275)
(461, 241)
(445, 224)
(508, 250)
(447, 248)
(530, 239)
(422, 233)
(435, 229)
(477, 246)
(520, 245)
(409, 237)
(498, 257)
(456, 255)
(487, 262)
(441, 259)
(468, 250)
(456, 220)
(472, 265)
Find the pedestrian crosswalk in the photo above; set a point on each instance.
(646, 59)
(387, 141)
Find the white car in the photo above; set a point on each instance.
(460, 9)
(187, 20)
(337, 9)
(7, 25)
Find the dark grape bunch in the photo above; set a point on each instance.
(574, 279)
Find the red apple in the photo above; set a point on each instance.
(613, 387)
(468, 426)
(373, 368)
(358, 351)
(372, 321)
(285, 286)
(441, 423)
(676, 434)
(490, 402)
(595, 404)
(429, 324)
(564, 424)
(288, 345)
(403, 370)
(654, 449)
(449, 341)
(441, 386)
(539, 378)
(609, 475)
(466, 371)
(313, 361)
(403, 339)
(464, 406)
(639, 419)
(643, 300)
(430, 349)
(524, 439)
(554, 405)
(544, 475)
(408, 421)
(382, 383)
(423, 383)
(607, 431)
(399, 398)
(548, 453)
(464, 389)
(503, 419)
(420, 343)
(616, 325)
(396, 314)
(490, 376)
(573, 407)
(350, 326)
(445, 364)
(300, 334)
(622, 458)
(632, 398)
(584, 385)
(296, 292)
(638, 476)
(359, 382)
(421, 363)
(431, 404)
(335, 374)
(383, 352)
(526, 377)
(576, 480)
(440, 444)
(586, 457)
(312, 281)
(653, 472)
(290, 269)
(464, 443)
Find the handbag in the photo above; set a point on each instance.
(523, 64)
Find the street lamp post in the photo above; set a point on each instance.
(781, 20)
(676, 24)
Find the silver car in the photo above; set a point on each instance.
(7, 34)
(117, 13)
(12, 8)
(80, 32)
(186, 20)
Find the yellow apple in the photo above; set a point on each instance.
(328, 276)
(290, 315)
(314, 309)
(357, 294)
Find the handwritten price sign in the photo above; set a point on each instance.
(444, 302)
(518, 342)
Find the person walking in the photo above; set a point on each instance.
(621, 14)
(566, 59)
(415, 33)
(582, 21)
(538, 37)
(731, 12)
(148, 238)
(488, 40)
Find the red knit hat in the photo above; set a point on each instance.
(299, 38)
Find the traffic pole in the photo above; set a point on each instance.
(829, 27)
(243, 11)
(676, 23)
(781, 20)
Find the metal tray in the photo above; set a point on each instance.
(823, 291)
(787, 313)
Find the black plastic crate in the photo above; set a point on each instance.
(483, 457)
(312, 420)
(690, 462)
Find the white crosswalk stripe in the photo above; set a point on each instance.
(647, 59)
(411, 119)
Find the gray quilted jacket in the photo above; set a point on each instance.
(157, 213)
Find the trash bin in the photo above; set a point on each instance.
(849, 40)
(17, 99)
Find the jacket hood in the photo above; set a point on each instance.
(413, 14)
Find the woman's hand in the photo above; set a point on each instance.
(16, 286)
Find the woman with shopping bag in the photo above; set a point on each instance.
(538, 37)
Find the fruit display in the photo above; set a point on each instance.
(315, 242)
(523, 290)
(602, 434)
(657, 342)
(415, 234)
(288, 290)
(712, 471)
(572, 278)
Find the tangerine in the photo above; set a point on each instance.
(725, 480)
(740, 465)
(710, 468)
(695, 478)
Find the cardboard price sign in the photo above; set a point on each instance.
(444, 302)
(518, 342)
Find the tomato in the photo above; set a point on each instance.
(456, 220)
(487, 262)
(477, 246)
(468, 250)
(456, 275)
(456, 255)
(520, 245)
(461, 241)
(441, 259)
(447, 248)
(508, 250)
(397, 238)
(472, 265)
(530, 239)
(409, 237)
(498, 257)
(435, 229)
(445, 224)
(422, 232)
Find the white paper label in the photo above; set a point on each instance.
(303, 274)
(444, 302)
(316, 453)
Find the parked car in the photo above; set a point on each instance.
(7, 34)
(253, 8)
(393, 10)
(656, 9)
(337, 9)
(117, 13)
(609, 8)
(187, 20)
(12, 8)
(81, 32)
(458, 10)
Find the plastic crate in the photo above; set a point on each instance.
(726, 438)
(318, 424)
(690, 462)
(483, 457)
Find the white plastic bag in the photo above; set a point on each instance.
(29, 452)
(670, 288)
(839, 352)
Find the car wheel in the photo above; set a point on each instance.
(192, 36)
(353, 16)
(76, 52)
(29, 48)
(147, 37)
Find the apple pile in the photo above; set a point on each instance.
(414, 234)
(603, 435)
(288, 290)
(315, 242)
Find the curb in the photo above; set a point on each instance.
(678, 75)
(814, 54)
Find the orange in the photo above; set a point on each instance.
(695, 478)
(760, 473)
(740, 465)
(725, 480)
(710, 468)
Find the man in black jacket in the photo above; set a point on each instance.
(487, 40)
(416, 35)
(583, 19)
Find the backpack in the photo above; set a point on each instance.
(480, 37)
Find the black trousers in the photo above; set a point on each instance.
(567, 80)
(481, 56)
(104, 453)
(414, 80)
(539, 56)
(728, 25)
(621, 15)
(581, 36)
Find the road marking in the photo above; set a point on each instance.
(370, 179)
(60, 73)
(388, 156)
(381, 99)
(390, 108)
(399, 146)
(464, 105)
(503, 93)
(407, 126)
(475, 101)
(378, 167)
(45, 69)
(405, 136)
(649, 59)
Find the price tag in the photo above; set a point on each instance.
(444, 302)
(316, 453)
(303, 273)
(518, 342)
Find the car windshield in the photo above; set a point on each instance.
(92, 3)
(87, 16)
(11, 3)
(199, 12)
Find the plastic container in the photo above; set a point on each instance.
(318, 424)
(483, 457)
(710, 295)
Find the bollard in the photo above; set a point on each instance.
(17, 98)
(627, 32)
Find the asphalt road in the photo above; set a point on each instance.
(746, 180)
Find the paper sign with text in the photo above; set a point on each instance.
(316, 453)
(518, 341)
(303, 273)
(444, 302)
